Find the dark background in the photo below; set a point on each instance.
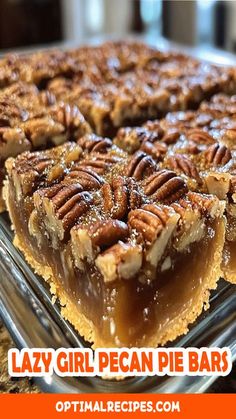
(30, 22)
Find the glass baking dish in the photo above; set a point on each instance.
(33, 320)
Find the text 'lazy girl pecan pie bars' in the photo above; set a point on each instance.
(120, 240)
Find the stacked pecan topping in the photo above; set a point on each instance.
(53, 96)
(120, 196)
(119, 213)
(192, 144)
(31, 119)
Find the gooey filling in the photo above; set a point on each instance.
(141, 310)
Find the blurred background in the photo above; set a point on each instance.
(35, 22)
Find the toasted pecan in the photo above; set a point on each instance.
(148, 221)
(88, 178)
(99, 162)
(120, 196)
(61, 206)
(71, 118)
(92, 142)
(105, 233)
(140, 165)
(200, 136)
(156, 149)
(165, 186)
(218, 154)
(184, 164)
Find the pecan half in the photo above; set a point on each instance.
(189, 147)
(64, 192)
(115, 198)
(148, 221)
(218, 154)
(120, 196)
(42, 130)
(62, 206)
(73, 208)
(99, 163)
(36, 162)
(130, 139)
(108, 232)
(53, 192)
(153, 226)
(157, 149)
(40, 163)
(171, 136)
(71, 119)
(32, 170)
(140, 165)
(88, 178)
(135, 198)
(199, 136)
(184, 164)
(92, 142)
(165, 186)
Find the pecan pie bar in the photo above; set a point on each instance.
(31, 119)
(119, 239)
(200, 146)
(35, 68)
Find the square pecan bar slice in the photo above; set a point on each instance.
(200, 147)
(119, 240)
(121, 84)
(31, 119)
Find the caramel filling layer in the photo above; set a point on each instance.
(229, 261)
(128, 312)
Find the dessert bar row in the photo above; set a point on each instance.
(120, 83)
(49, 97)
(200, 147)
